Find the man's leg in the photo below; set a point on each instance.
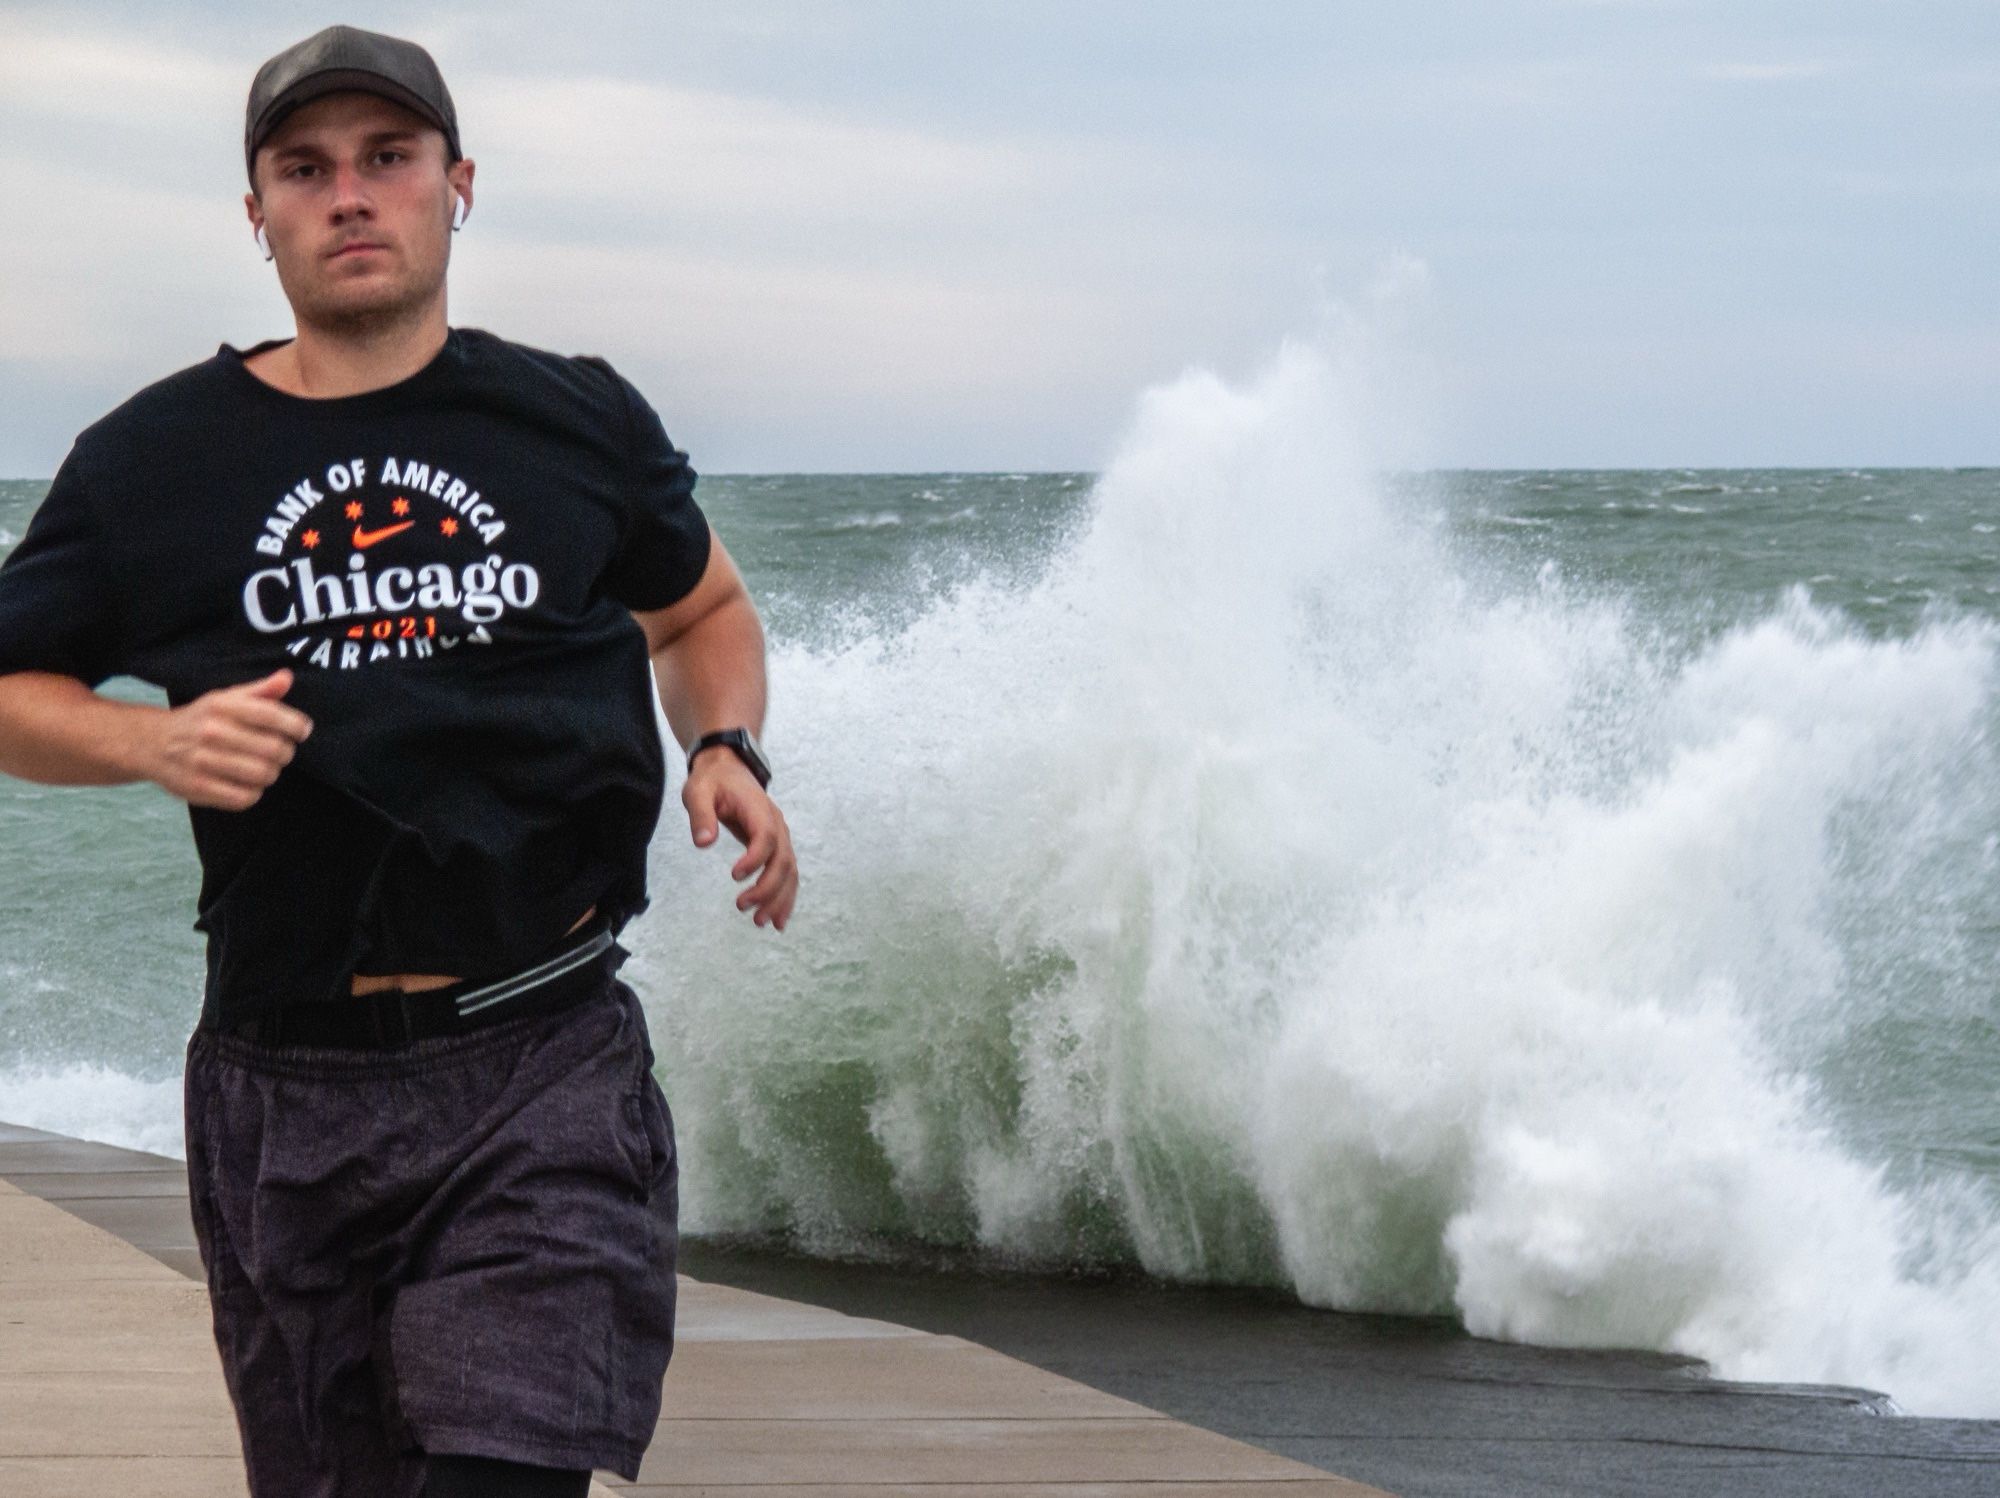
(296, 1366)
(538, 1322)
(488, 1477)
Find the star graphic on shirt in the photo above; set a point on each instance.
(309, 539)
(399, 506)
(354, 509)
(448, 525)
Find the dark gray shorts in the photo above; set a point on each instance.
(466, 1246)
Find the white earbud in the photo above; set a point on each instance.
(263, 243)
(458, 212)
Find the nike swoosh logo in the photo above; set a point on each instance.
(369, 538)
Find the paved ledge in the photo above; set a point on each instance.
(109, 1381)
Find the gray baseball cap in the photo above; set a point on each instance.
(346, 57)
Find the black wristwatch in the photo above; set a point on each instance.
(744, 742)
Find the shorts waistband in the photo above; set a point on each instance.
(393, 1019)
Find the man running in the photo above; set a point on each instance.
(408, 588)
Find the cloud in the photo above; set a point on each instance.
(1771, 72)
(776, 262)
(1918, 181)
(694, 163)
(841, 236)
(66, 73)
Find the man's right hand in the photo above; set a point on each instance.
(226, 746)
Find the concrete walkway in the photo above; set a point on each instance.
(109, 1381)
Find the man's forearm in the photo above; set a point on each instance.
(56, 730)
(711, 675)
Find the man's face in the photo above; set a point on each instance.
(356, 202)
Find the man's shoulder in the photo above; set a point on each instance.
(171, 404)
(588, 378)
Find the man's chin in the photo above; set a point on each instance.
(364, 306)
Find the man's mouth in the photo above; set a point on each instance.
(359, 247)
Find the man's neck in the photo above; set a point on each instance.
(322, 363)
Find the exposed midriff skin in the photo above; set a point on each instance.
(418, 982)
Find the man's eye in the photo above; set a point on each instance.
(390, 151)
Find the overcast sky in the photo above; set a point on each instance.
(953, 234)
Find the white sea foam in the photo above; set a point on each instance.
(88, 1101)
(1257, 896)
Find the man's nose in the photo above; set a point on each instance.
(350, 192)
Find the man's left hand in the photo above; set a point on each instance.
(720, 787)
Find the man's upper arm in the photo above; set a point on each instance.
(59, 609)
(720, 582)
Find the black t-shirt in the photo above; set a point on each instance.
(448, 565)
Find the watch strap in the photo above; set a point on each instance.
(743, 743)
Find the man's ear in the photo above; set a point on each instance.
(254, 211)
(459, 175)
